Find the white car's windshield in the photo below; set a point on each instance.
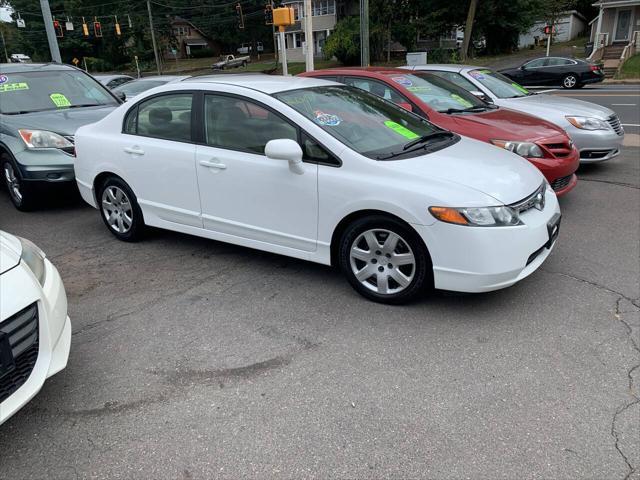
(498, 84)
(364, 122)
(39, 91)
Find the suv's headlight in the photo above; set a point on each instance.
(43, 139)
(588, 123)
(33, 257)
(477, 216)
(524, 149)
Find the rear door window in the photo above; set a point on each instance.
(167, 117)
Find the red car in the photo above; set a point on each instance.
(448, 106)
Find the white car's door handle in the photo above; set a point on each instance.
(134, 150)
(216, 165)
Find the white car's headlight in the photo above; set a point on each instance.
(33, 258)
(43, 139)
(588, 123)
(502, 216)
(524, 149)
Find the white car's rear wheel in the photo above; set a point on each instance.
(120, 210)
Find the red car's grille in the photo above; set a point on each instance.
(559, 150)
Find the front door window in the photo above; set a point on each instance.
(622, 25)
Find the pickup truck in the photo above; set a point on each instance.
(229, 61)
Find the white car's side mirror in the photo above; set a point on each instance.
(286, 149)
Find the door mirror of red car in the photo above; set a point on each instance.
(406, 106)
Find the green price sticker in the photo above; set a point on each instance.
(400, 130)
(462, 101)
(59, 100)
(518, 87)
(12, 87)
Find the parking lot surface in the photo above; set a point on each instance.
(197, 359)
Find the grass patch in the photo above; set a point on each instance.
(631, 68)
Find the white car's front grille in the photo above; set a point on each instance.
(535, 200)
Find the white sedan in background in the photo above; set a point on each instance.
(324, 172)
(595, 130)
(35, 331)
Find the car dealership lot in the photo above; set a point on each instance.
(192, 358)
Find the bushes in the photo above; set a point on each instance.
(344, 42)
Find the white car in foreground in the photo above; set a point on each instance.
(35, 331)
(324, 172)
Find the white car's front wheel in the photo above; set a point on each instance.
(385, 260)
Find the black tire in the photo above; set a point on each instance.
(131, 220)
(23, 195)
(421, 270)
(570, 80)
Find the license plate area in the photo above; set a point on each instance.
(553, 228)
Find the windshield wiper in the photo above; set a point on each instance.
(21, 112)
(477, 108)
(85, 105)
(416, 144)
(426, 138)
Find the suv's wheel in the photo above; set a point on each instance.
(384, 260)
(22, 194)
(120, 210)
(570, 81)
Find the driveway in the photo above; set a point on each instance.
(197, 359)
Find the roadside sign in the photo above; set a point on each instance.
(20, 23)
(75, 61)
(69, 26)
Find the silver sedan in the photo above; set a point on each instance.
(595, 130)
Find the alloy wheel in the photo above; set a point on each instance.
(382, 261)
(570, 81)
(117, 209)
(13, 183)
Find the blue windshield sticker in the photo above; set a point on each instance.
(3, 79)
(326, 119)
(477, 75)
(404, 81)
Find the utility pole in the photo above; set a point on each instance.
(4, 44)
(51, 34)
(308, 35)
(364, 33)
(468, 30)
(153, 38)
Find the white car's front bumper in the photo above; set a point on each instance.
(18, 290)
(481, 259)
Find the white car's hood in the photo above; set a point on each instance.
(543, 106)
(476, 166)
(10, 251)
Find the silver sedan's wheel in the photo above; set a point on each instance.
(117, 209)
(382, 261)
(13, 182)
(569, 81)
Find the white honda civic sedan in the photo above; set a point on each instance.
(324, 172)
(35, 331)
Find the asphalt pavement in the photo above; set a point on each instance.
(197, 359)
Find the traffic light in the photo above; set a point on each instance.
(548, 30)
(58, 29)
(268, 14)
(85, 28)
(283, 16)
(97, 29)
(118, 32)
(240, 16)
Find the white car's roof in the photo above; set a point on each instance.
(263, 83)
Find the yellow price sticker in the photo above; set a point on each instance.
(59, 100)
(400, 130)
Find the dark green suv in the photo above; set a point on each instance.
(41, 107)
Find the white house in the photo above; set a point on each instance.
(569, 26)
(323, 22)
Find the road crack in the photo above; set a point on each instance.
(610, 182)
